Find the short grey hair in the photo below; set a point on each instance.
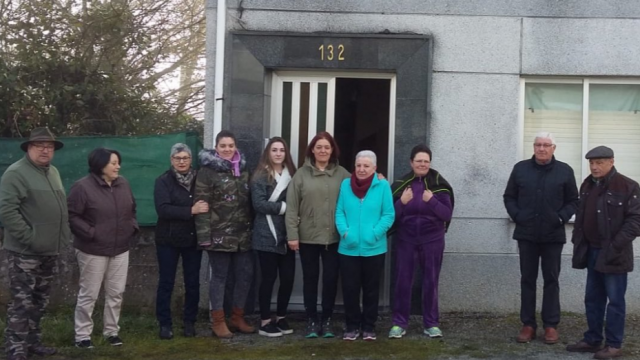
(545, 135)
(368, 154)
(180, 147)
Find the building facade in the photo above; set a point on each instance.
(474, 79)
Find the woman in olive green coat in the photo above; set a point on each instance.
(311, 205)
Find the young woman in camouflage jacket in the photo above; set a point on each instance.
(225, 230)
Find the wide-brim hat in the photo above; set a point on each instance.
(41, 134)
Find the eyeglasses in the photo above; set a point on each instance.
(42, 147)
(181, 159)
(546, 146)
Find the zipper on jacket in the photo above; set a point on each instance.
(420, 181)
(115, 202)
(360, 225)
(46, 176)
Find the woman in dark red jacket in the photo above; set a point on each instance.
(102, 215)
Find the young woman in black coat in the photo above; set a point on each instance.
(268, 195)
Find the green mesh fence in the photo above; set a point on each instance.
(144, 158)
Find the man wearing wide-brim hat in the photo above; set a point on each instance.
(33, 211)
(607, 222)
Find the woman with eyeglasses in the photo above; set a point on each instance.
(173, 195)
(423, 202)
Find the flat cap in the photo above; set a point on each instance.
(599, 152)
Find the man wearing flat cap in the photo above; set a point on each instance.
(607, 222)
(33, 211)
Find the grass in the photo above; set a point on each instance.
(468, 335)
(139, 333)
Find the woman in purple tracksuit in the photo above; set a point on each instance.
(423, 202)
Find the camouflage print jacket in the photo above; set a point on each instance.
(227, 225)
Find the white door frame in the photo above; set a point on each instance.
(314, 78)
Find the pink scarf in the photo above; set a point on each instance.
(235, 162)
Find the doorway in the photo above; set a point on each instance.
(358, 109)
(362, 119)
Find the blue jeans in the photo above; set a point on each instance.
(167, 266)
(600, 288)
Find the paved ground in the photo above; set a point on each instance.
(479, 336)
(494, 337)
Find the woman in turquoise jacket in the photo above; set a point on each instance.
(364, 214)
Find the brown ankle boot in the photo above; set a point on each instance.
(237, 321)
(219, 326)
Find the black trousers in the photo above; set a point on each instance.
(310, 256)
(532, 255)
(273, 265)
(167, 266)
(361, 275)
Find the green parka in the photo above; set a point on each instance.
(311, 204)
(227, 225)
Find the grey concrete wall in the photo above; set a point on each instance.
(481, 50)
(142, 279)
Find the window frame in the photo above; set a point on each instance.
(585, 81)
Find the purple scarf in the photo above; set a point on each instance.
(235, 162)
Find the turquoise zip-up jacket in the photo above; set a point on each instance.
(363, 223)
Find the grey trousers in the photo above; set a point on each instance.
(220, 263)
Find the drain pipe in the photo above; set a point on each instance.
(221, 32)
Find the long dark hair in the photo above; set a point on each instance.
(265, 165)
(335, 151)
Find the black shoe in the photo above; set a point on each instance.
(284, 327)
(583, 347)
(313, 329)
(42, 350)
(166, 333)
(16, 357)
(327, 329)
(270, 330)
(189, 329)
(84, 344)
(114, 340)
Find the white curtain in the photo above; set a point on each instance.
(614, 121)
(556, 108)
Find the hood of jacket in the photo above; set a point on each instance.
(209, 158)
(329, 170)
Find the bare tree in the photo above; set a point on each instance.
(78, 63)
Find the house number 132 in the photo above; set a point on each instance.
(327, 52)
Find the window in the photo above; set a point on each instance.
(582, 114)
